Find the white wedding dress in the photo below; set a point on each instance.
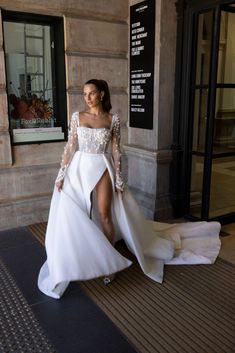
(76, 247)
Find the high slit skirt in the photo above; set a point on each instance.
(77, 248)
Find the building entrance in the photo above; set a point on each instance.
(208, 124)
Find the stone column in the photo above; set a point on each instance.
(149, 151)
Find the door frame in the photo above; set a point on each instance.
(182, 135)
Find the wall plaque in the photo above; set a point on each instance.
(142, 47)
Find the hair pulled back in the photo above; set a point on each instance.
(102, 86)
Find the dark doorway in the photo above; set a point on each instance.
(205, 111)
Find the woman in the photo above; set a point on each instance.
(90, 208)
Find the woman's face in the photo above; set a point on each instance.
(92, 95)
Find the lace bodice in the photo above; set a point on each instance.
(93, 140)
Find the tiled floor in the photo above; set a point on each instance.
(227, 251)
(229, 228)
(222, 192)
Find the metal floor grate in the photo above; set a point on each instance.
(19, 330)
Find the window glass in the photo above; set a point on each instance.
(31, 86)
(226, 57)
(224, 135)
(200, 119)
(196, 189)
(222, 192)
(205, 23)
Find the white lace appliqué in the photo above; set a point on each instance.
(92, 140)
(69, 149)
(116, 153)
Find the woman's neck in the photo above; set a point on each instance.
(97, 111)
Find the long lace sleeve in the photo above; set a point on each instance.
(116, 154)
(69, 149)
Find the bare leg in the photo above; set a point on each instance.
(104, 194)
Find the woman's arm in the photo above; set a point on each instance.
(116, 154)
(69, 150)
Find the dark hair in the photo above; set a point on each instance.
(102, 86)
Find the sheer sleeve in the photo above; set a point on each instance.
(70, 147)
(116, 153)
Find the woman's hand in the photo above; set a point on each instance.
(59, 184)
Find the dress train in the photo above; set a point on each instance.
(77, 249)
(76, 246)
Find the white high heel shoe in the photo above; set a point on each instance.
(108, 279)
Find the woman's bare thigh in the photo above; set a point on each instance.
(104, 193)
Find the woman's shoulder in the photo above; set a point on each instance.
(78, 113)
(75, 115)
(115, 118)
(83, 114)
(78, 116)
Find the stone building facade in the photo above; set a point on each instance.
(96, 35)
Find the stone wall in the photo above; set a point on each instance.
(96, 43)
(96, 46)
(151, 149)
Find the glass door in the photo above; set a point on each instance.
(222, 191)
(212, 176)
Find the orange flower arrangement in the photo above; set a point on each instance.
(28, 108)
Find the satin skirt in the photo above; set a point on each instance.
(77, 249)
